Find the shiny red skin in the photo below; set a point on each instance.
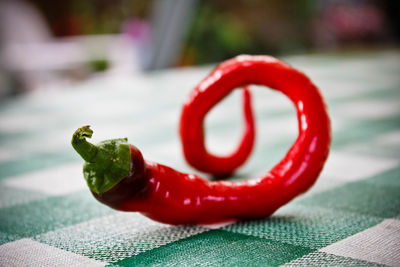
(178, 198)
(193, 136)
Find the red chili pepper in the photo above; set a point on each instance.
(192, 134)
(119, 177)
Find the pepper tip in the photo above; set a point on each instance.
(83, 131)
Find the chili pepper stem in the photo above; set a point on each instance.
(87, 150)
(106, 163)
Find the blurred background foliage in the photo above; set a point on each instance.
(75, 17)
(221, 29)
(47, 40)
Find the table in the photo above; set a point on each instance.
(350, 217)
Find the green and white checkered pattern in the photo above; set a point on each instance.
(350, 217)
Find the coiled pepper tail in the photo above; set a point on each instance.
(238, 72)
(193, 136)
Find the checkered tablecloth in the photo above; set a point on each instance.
(350, 217)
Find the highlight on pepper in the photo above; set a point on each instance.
(118, 175)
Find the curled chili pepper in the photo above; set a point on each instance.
(192, 134)
(119, 177)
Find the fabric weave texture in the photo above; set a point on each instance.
(350, 217)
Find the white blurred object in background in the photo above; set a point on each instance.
(31, 58)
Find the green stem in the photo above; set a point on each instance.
(107, 163)
(87, 150)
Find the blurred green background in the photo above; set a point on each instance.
(86, 37)
(221, 29)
